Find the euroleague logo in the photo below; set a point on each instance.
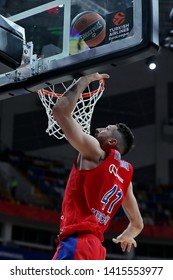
(119, 18)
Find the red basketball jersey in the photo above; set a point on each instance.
(92, 197)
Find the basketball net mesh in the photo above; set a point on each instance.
(82, 112)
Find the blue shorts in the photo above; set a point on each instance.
(80, 247)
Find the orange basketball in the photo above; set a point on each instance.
(90, 26)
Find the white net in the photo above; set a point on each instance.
(82, 113)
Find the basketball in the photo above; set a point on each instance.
(90, 26)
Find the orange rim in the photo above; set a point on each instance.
(84, 95)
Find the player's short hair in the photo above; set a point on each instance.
(127, 138)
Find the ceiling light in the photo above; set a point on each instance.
(150, 62)
(152, 66)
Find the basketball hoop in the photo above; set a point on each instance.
(82, 112)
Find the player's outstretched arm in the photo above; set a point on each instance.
(131, 209)
(67, 102)
(87, 145)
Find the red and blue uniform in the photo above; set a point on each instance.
(91, 199)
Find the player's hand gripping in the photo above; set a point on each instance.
(125, 241)
(96, 76)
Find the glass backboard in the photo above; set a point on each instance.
(55, 52)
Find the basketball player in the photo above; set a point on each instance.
(99, 182)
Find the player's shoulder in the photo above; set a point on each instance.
(127, 165)
(123, 163)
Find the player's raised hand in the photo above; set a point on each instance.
(97, 76)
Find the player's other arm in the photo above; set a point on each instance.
(131, 209)
(87, 145)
